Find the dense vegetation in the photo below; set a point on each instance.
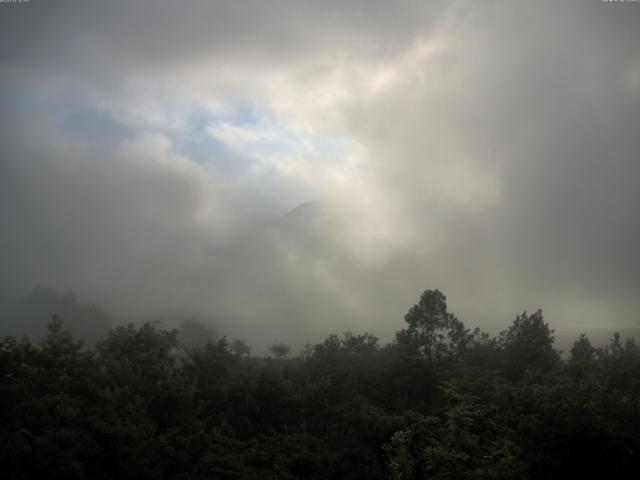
(439, 402)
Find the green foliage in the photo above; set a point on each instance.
(462, 443)
(582, 351)
(438, 403)
(528, 345)
(433, 339)
(433, 333)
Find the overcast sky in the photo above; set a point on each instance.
(150, 152)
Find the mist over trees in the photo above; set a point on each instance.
(439, 401)
(30, 315)
(280, 350)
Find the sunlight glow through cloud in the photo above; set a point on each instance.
(440, 151)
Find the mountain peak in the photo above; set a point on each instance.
(311, 207)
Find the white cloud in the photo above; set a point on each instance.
(476, 147)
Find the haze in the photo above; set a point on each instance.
(285, 170)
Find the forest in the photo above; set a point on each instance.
(438, 402)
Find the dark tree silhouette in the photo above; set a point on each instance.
(433, 334)
(280, 350)
(436, 403)
(194, 334)
(240, 348)
(528, 344)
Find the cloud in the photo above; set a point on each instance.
(485, 149)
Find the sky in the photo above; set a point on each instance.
(284, 170)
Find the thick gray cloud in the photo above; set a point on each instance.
(489, 150)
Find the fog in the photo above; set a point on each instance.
(286, 170)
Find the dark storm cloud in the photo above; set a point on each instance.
(487, 150)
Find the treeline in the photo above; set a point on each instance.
(439, 402)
